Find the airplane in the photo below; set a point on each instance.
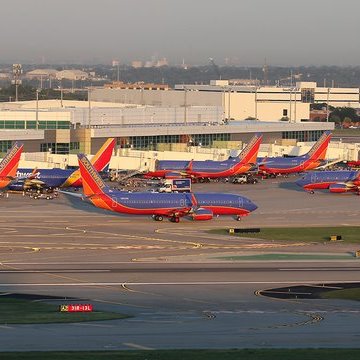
(9, 165)
(285, 165)
(200, 206)
(50, 179)
(209, 169)
(339, 181)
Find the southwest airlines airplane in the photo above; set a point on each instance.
(335, 181)
(9, 165)
(209, 169)
(159, 205)
(48, 179)
(313, 159)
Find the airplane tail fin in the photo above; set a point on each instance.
(102, 158)
(318, 151)
(250, 152)
(100, 161)
(10, 163)
(92, 181)
(189, 167)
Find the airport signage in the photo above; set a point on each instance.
(76, 308)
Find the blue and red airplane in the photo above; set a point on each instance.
(9, 165)
(49, 179)
(285, 165)
(340, 181)
(209, 169)
(199, 206)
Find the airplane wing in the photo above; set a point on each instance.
(72, 193)
(342, 187)
(329, 163)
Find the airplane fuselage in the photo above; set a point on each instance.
(49, 178)
(325, 179)
(205, 169)
(163, 204)
(281, 165)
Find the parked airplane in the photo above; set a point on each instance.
(335, 181)
(282, 165)
(159, 205)
(49, 179)
(209, 169)
(9, 165)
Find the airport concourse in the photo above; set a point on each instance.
(90, 247)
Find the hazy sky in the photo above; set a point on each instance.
(285, 32)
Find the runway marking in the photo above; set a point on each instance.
(323, 269)
(190, 283)
(313, 318)
(6, 327)
(52, 271)
(93, 325)
(137, 346)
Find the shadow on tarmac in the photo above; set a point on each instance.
(291, 185)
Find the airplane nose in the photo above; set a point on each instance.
(251, 206)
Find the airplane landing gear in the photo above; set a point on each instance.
(175, 219)
(238, 218)
(157, 217)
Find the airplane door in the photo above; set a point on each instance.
(113, 202)
(241, 202)
(313, 178)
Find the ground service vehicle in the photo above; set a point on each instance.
(175, 185)
(244, 179)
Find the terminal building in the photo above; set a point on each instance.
(73, 126)
(155, 119)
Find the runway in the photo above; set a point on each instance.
(173, 279)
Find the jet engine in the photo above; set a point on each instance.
(339, 188)
(201, 214)
(33, 183)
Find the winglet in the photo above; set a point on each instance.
(92, 181)
(10, 163)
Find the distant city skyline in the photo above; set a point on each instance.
(243, 32)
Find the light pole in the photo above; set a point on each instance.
(37, 109)
(185, 105)
(89, 100)
(17, 71)
(327, 105)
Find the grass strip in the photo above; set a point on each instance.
(346, 294)
(18, 311)
(349, 234)
(287, 257)
(248, 354)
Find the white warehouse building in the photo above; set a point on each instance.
(264, 103)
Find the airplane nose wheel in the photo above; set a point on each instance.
(175, 219)
(238, 218)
